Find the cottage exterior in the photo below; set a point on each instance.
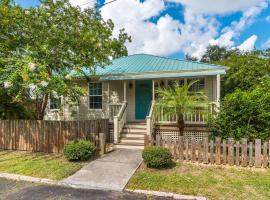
(124, 91)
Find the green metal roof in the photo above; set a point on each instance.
(143, 63)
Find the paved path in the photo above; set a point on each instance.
(20, 190)
(110, 172)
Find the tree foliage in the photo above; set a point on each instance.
(244, 114)
(41, 47)
(179, 100)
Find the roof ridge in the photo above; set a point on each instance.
(176, 59)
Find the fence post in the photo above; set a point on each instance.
(230, 151)
(146, 140)
(193, 149)
(244, 152)
(205, 150)
(265, 161)
(258, 150)
(102, 143)
(218, 145)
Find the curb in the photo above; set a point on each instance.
(17, 177)
(167, 194)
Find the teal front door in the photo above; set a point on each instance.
(143, 98)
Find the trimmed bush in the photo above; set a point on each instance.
(79, 150)
(157, 157)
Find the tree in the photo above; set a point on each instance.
(244, 71)
(179, 100)
(45, 47)
(244, 114)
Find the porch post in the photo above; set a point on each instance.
(218, 89)
(153, 90)
(125, 91)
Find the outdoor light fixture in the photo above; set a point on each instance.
(130, 85)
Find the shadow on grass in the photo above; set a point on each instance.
(170, 166)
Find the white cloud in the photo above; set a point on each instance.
(83, 3)
(168, 36)
(266, 44)
(218, 7)
(249, 44)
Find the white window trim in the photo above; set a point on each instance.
(88, 97)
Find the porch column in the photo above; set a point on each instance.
(218, 93)
(218, 88)
(125, 91)
(153, 90)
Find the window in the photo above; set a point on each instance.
(197, 86)
(173, 82)
(55, 103)
(95, 95)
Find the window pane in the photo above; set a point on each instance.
(55, 103)
(197, 86)
(95, 95)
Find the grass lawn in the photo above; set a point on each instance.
(209, 181)
(52, 166)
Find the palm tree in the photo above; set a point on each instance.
(178, 100)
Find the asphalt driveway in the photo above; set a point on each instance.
(19, 190)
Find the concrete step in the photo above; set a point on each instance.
(128, 130)
(125, 146)
(132, 140)
(132, 135)
(135, 126)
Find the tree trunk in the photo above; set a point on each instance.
(181, 124)
(40, 111)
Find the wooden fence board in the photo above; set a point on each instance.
(258, 149)
(230, 152)
(244, 152)
(47, 136)
(218, 151)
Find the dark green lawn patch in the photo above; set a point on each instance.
(212, 182)
(52, 166)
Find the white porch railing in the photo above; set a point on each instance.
(119, 121)
(150, 119)
(196, 117)
(114, 109)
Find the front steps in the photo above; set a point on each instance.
(132, 136)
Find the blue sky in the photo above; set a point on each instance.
(177, 27)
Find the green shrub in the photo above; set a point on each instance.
(79, 150)
(244, 114)
(157, 157)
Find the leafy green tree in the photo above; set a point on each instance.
(179, 100)
(244, 114)
(43, 49)
(215, 53)
(244, 72)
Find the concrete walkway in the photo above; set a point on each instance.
(110, 172)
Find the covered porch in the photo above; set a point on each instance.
(134, 100)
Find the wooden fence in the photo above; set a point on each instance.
(48, 136)
(227, 152)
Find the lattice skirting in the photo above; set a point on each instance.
(173, 134)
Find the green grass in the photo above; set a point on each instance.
(52, 166)
(209, 181)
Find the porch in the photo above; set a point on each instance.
(136, 101)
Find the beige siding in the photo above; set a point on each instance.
(113, 92)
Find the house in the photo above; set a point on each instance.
(125, 92)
